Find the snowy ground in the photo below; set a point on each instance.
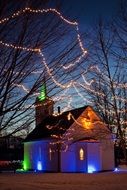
(65, 181)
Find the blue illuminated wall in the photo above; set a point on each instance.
(36, 156)
(94, 162)
(81, 165)
(68, 159)
(97, 157)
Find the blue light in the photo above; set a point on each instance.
(39, 165)
(91, 169)
(116, 170)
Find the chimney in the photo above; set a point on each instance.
(58, 109)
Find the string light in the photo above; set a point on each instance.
(29, 10)
(87, 83)
(91, 90)
(81, 95)
(40, 52)
(22, 86)
(111, 112)
(74, 63)
(87, 87)
(42, 11)
(20, 47)
(37, 50)
(96, 69)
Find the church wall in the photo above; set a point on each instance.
(81, 157)
(107, 154)
(68, 159)
(94, 160)
(40, 155)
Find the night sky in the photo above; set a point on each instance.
(87, 11)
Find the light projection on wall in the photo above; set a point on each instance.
(81, 154)
(39, 165)
(24, 165)
(26, 162)
(86, 123)
(91, 168)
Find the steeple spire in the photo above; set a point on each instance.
(43, 91)
(44, 104)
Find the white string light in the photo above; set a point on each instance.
(39, 51)
(19, 47)
(74, 63)
(87, 83)
(81, 95)
(42, 11)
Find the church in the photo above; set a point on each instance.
(72, 141)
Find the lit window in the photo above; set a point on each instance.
(50, 154)
(81, 154)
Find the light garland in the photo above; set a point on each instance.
(42, 11)
(40, 52)
(29, 10)
(96, 69)
(81, 95)
(91, 90)
(21, 86)
(37, 50)
(111, 112)
(53, 78)
(87, 83)
(20, 47)
(73, 64)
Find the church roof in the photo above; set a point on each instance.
(54, 125)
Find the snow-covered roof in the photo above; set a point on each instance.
(76, 124)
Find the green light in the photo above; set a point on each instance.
(24, 165)
(19, 170)
(26, 162)
(42, 95)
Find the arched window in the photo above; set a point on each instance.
(81, 154)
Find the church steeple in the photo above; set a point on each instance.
(43, 93)
(44, 105)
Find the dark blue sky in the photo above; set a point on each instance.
(87, 11)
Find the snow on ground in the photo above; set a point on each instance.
(64, 181)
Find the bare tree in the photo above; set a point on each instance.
(27, 36)
(107, 79)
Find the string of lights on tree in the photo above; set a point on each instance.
(75, 84)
